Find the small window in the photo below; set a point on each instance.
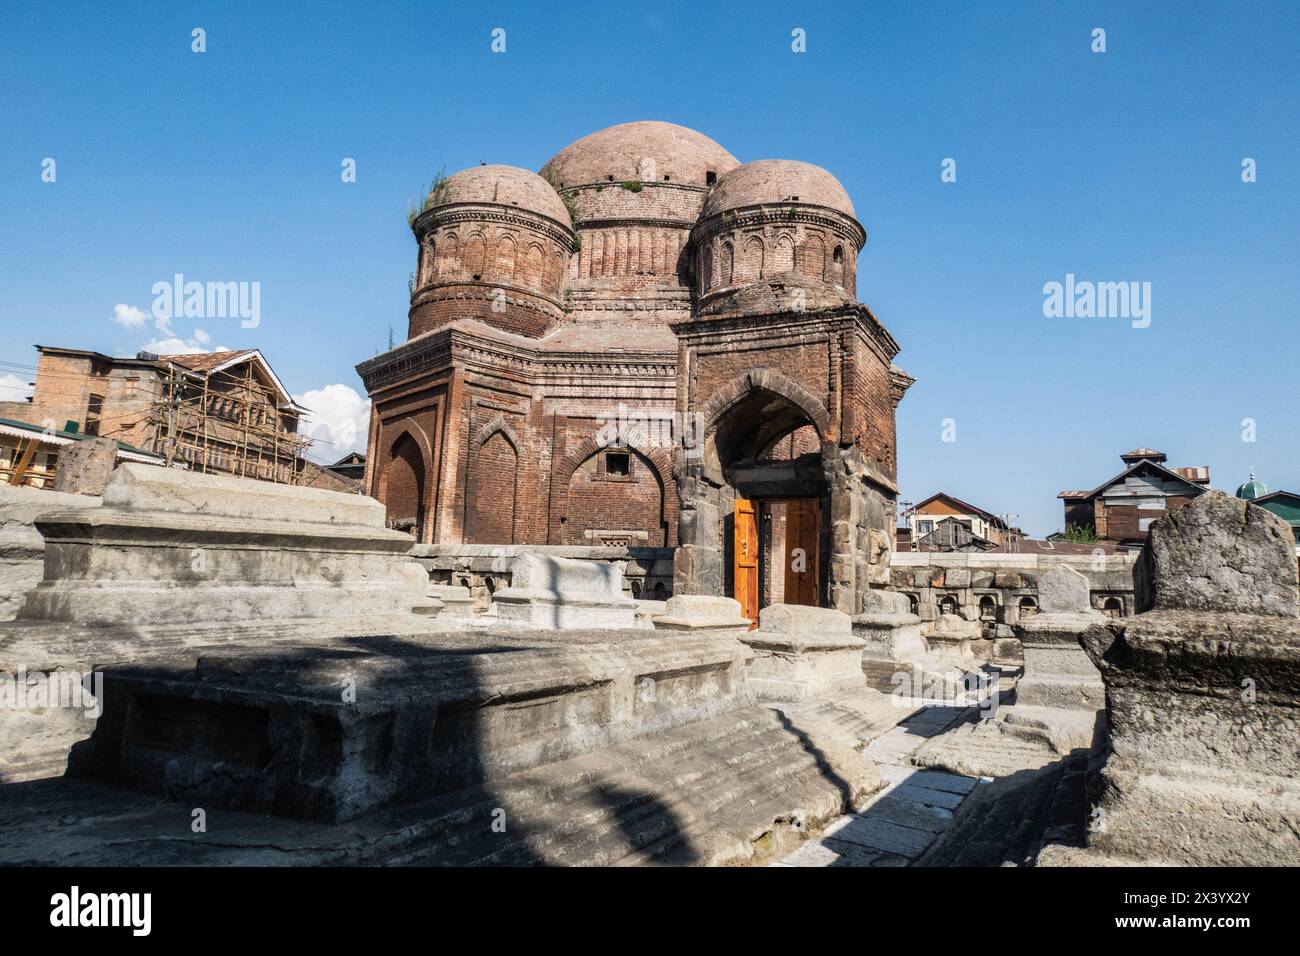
(94, 407)
(618, 464)
(924, 527)
(710, 178)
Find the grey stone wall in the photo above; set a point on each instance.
(998, 590)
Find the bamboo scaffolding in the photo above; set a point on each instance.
(227, 422)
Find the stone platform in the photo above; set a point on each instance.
(332, 732)
(742, 788)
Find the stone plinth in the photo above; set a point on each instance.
(457, 602)
(416, 581)
(1057, 671)
(1203, 767)
(897, 660)
(948, 638)
(701, 613)
(22, 549)
(1203, 699)
(332, 733)
(171, 545)
(563, 593)
(803, 652)
(893, 639)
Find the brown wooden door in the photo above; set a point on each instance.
(745, 560)
(802, 526)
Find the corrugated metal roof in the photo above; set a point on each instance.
(17, 429)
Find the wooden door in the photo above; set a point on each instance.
(745, 560)
(802, 528)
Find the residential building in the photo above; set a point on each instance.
(944, 522)
(1121, 509)
(225, 412)
(29, 454)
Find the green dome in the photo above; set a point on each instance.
(1252, 488)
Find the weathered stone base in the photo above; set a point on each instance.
(1196, 818)
(22, 549)
(457, 602)
(1058, 672)
(545, 609)
(699, 613)
(332, 733)
(35, 742)
(803, 652)
(563, 594)
(741, 788)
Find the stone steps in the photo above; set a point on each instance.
(1002, 824)
(902, 821)
(703, 794)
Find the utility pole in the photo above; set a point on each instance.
(1013, 542)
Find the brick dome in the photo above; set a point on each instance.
(619, 154)
(494, 245)
(777, 181)
(504, 186)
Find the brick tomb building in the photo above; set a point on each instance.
(647, 344)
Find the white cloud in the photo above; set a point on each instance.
(202, 337)
(174, 346)
(129, 317)
(14, 389)
(338, 423)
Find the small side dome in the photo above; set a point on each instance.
(502, 186)
(494, 245)
(1252, 488)
(777, 181)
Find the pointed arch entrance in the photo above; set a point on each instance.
(402, 485)
(759, 483)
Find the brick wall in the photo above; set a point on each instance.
(599, 501)
(490, 517)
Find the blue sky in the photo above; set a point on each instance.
(1115, 166)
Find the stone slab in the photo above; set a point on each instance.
(1219, 553)
(1063, 590)
(137, 487)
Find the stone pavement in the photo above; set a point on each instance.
(905, 818)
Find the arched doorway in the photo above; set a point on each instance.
(760, 485)
(403, 486)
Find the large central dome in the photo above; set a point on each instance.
(620, 154)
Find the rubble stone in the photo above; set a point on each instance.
(1219, 553)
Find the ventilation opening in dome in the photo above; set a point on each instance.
(710, 178)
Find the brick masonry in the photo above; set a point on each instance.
(498, 405)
